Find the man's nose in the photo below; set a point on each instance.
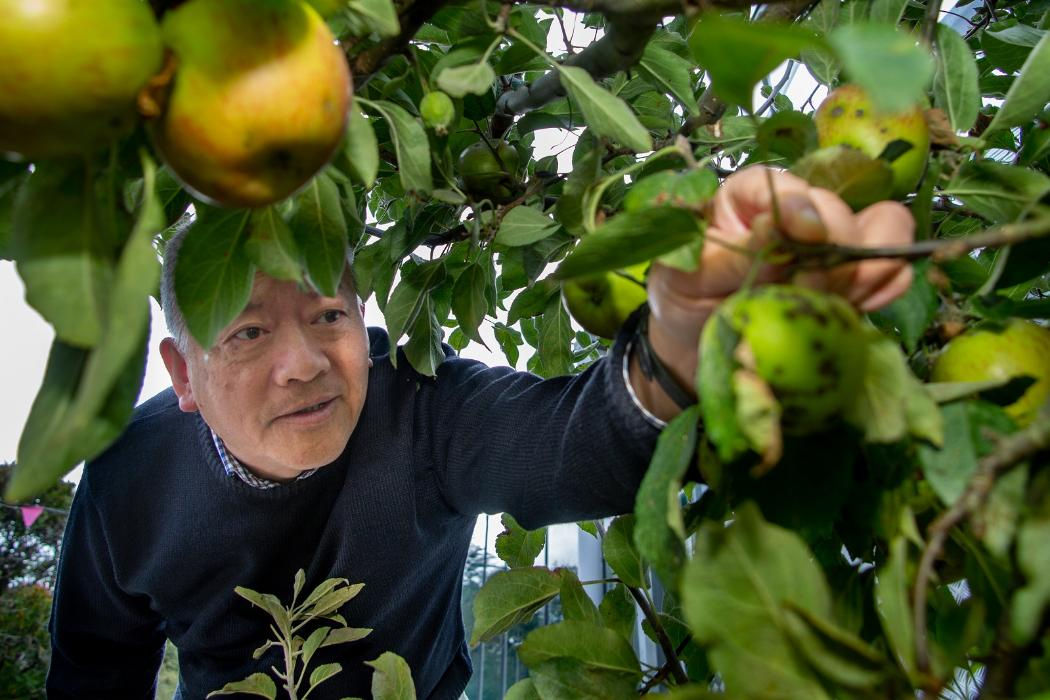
(300, 357)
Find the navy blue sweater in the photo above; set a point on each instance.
(159, 535)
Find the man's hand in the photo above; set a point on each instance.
(742, 223)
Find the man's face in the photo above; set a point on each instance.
(285, 382)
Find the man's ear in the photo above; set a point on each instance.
(179, 373)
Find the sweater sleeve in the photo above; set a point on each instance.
(546, 451)
(105, 642)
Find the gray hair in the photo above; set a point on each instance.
(173, 314)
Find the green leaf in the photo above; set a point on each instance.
(887, 11)
(566, 678)
(575, 603)
(1033, 560)
(857, 178)
(410, 143)
(596, 646)
(605, 113)
(379, 16)
(948, 469)
(255, 684)
(892, 402)
(1027, 95)
(525, 689)
(62, 429)
(470, 299)
(912, 313)
(360, 156)
(1008, 43)
(322, 673)
(509, 340)
(619, 550)
(314, 642)
(332, 601)
(789, 134)
(471, 79)
(630, 238)
(670, 73)
(410, 295)
(555, 341)
(269, 603)
(997, 191)
(834, 653)
(659, 532)
(61, 249)
(320, 231)
(737, 54)
(524, 225)
(618, 611)
(517, 546)
(718, 343)
(892, 588)
(734, 593)
(955, 88)
(392, 679)
(271, 245)
(343, 635)
(213, 276)
(886, 62)
(510, 597)
(532, 301)
(822, 64)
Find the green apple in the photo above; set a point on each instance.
(490, 172)
(808, 346)
(847, 117)
(70, 72)
(259, 100)
(601, 303)
(438, 111)
(1001, 352)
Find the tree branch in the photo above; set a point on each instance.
(1012, 450)
(618, 50)
(661, 635)
(938, 249)
(368, 62)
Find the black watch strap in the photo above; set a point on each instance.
(653, 368)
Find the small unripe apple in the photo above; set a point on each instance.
(438, 111)
(847, 117)
(1001, 352)
(601, 303)
(808, 346)
(489, 172)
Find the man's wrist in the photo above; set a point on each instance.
(654, 369)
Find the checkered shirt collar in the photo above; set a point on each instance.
(233, 467)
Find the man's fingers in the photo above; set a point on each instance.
(882, 224)
(746, 194)
(888, 292)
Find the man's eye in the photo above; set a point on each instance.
(250, 333)
(331, 316)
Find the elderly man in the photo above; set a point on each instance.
(290, 445)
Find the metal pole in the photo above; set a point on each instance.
(484, 577)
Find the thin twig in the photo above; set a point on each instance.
(789, 73)
(661, 634)
(1012, 450)
(929, 26)
(665, 670)
(938, 249)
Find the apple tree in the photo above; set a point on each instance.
(877, 536)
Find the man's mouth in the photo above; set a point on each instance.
(308, 410)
